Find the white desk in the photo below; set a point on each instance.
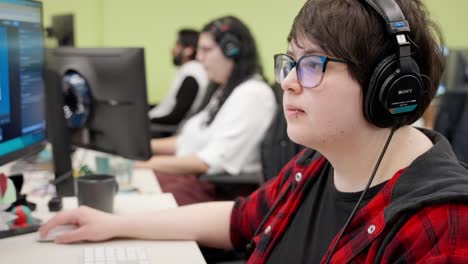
(145, 181)
(25, 248)
(142, 179)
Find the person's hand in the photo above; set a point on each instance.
(93, 225)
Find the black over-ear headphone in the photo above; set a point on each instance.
(395, 88)
(227, 41)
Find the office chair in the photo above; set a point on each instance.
(162, 130)
(452, 121)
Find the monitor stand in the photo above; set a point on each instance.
(58, 135)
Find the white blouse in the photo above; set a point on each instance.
(231, 143)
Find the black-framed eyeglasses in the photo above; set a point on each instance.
(309, 68)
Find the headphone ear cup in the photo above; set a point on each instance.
(374, 111)
(230, 45)
(392, 92)
(402, 91)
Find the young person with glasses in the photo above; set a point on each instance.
(370, 188)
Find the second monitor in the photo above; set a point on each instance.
(105, 101)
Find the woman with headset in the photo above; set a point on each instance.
(374, 189)
(225, 136)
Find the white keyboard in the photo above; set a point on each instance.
(115, 255)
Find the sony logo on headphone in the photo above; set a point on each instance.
(405, 91)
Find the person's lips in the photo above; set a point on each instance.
(293, 110)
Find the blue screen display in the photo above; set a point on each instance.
(22, 107)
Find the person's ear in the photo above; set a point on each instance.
(188, 52)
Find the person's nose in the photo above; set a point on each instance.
(291, 84)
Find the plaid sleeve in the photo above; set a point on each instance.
(249, 212)
(436, 234)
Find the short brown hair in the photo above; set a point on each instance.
(353, 31)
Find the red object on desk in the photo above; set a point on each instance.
(24, 216)
(3, 184)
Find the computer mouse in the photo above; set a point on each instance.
(57, 231)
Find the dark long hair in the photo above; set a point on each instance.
(246, 62)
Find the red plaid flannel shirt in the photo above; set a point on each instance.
(436, 233)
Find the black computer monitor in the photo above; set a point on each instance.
(461, 77)
(105, 101)
(62, 29)
(456, 72)
(22, 112)
(443, 80)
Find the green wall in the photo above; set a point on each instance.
(153, 24)
(452, 17)
(88, 17)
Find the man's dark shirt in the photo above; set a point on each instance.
(184, 99)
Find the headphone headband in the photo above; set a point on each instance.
(220, 25)
(391, 13)
(396, 23)
(228, 41)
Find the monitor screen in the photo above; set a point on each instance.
(104, 98)
(22, 109)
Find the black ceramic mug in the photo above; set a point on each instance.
(97, 191)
